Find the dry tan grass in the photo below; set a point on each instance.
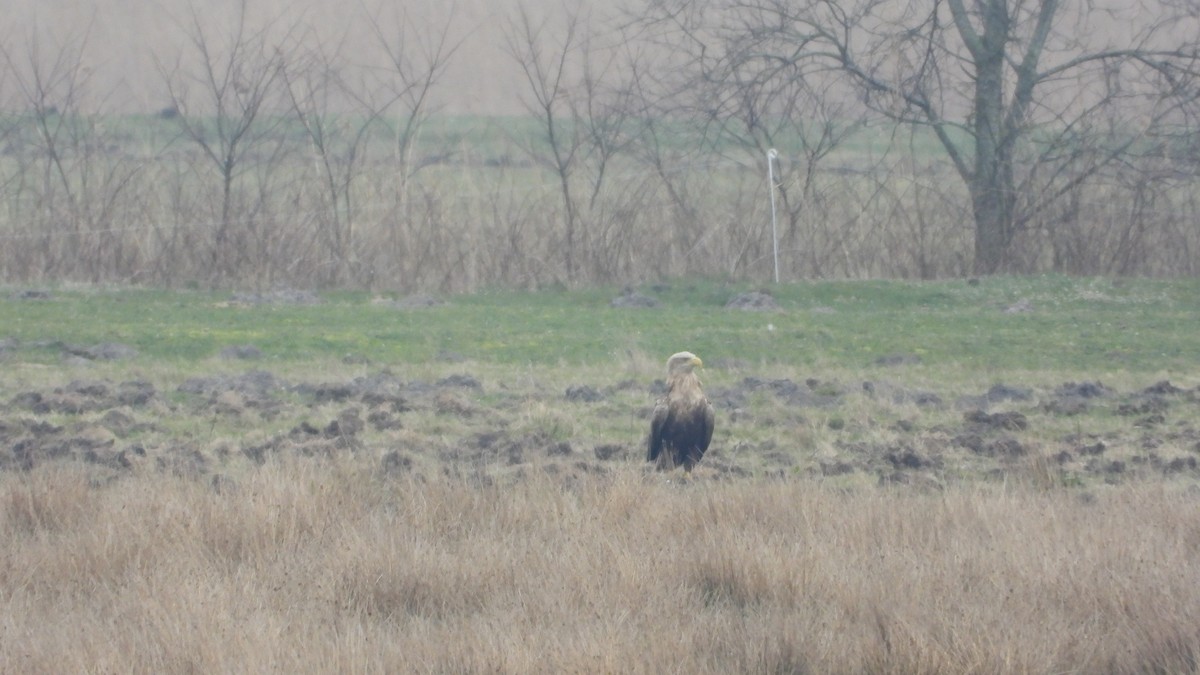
(310, 565)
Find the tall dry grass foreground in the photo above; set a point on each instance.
(313, 566)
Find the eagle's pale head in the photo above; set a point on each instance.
(683, 362)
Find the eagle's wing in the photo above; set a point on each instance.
(710, 419)
(657, 424)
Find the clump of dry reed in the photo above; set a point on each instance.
(323, 565)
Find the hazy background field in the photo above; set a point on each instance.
(126, 41)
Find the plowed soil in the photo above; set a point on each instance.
(218, 426)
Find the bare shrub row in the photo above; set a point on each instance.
(464, 226)
(284, 161)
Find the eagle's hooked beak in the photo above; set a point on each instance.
(697, 362)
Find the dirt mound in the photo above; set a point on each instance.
(631, 298)
(244, 352)
(81, 396)
(757, 301)
(415, 301)
(258, 384)
(283, 296)
(105, 351)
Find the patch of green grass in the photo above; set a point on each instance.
(1055, 323)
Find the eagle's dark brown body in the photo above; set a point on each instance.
(683, 420)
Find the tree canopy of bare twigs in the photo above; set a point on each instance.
(224, 105)
(578, 87)
(1027, 98)
(339, 104)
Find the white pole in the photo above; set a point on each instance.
(771, 157)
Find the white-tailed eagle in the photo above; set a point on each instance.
(683, 419)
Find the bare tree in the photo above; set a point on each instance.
(544, 65)
(345, 106)
(79, 184)
(318, 87)
(222, 104)
(416, 61)
(704, 106)
(1027, 98)
(584, 99)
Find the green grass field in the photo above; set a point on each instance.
(1089, 326)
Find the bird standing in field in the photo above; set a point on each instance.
(683, 419)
